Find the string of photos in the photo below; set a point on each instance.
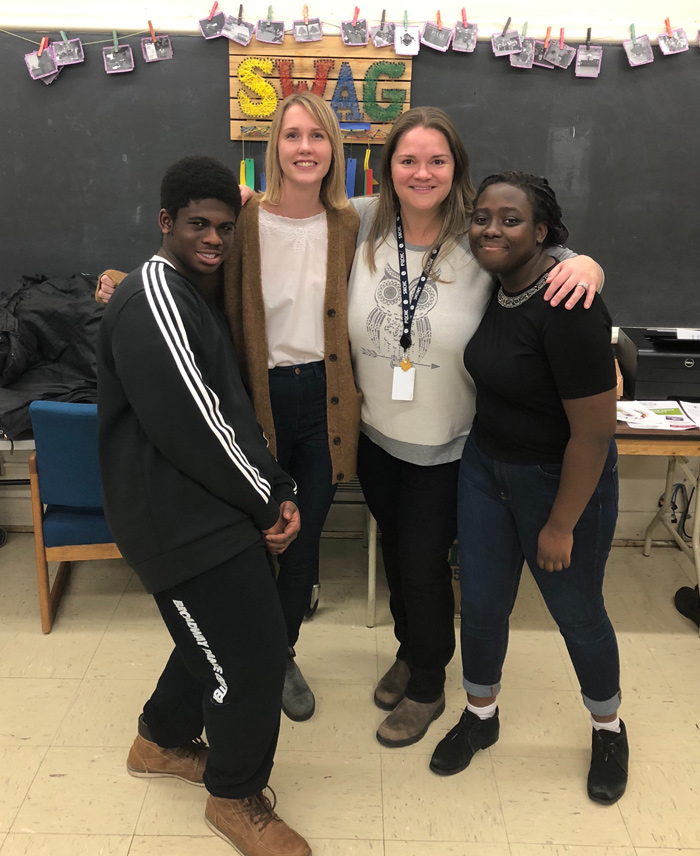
(406, 38)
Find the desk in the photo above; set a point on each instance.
(677, 446)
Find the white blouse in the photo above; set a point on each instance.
(293, 257)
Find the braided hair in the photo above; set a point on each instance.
(545, 208)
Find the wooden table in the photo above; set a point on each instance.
(677, 446)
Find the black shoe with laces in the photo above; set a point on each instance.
(456, 750)
(607, 777)
(687, 601)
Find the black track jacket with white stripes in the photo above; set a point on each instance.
(188, 480)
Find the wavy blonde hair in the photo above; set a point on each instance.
(332, 194)
(457, 207)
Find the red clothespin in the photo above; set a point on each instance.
(42, 47)
(439, 20)
(306, 15)
(464, 18)
(355, 16)
(153, 32)
(505, 29)
(547, 37)
(668, 27)
(213, 9)
(561, 39)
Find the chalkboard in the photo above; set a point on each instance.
(81, 159)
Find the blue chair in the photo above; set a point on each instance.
(66, 490)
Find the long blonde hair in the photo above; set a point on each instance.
(455, 210)
(332, 193)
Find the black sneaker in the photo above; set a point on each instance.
(687, 601)
(607, 778)
(456, 750)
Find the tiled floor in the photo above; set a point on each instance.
(69, 702)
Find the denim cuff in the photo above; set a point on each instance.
(602, 708)
(481, 690)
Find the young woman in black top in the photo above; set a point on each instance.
(538, 480)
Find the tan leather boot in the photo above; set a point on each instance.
(148, 760)
(252, 826)
(409, 722)
(392, 686)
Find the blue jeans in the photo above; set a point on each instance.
(502, 508)
(298, 397)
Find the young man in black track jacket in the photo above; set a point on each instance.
(196, 501)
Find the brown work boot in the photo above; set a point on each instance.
(392, 686)
(148, 760)
(409, 722)
(252, 826)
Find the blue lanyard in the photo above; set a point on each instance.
(408, 303)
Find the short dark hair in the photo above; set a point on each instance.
(545, 208)
(196, 178)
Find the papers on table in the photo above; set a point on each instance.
(667, 415)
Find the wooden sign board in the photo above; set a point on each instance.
(367, 87)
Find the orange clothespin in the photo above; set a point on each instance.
(42, 47)
(547, 38)
(668, 27)
(153, 32)
(439, 21)
(306, 15)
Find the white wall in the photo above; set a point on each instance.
(610, 21)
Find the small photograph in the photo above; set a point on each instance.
(354, 34)
(561, 56)
(436, 37)
(588, 61)
(308, 32)
(383, 37)
(41, 66)
(270, 32)
(51, 77)
(240, 32)
(538, 58)
(677, 42)
(526, 57)
(639, 50)
(68, 53)
(464, 38)
(505, 44)
(118, 60)
(155, 51)
(407, 41)
(211, 28)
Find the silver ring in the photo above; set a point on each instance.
(582, 285)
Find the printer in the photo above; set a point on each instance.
(657, 365)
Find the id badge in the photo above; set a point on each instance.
(402, 386)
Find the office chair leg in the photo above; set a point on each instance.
(50, 595)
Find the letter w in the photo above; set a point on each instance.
(289, 87)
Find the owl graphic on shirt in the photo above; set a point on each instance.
(384, 322)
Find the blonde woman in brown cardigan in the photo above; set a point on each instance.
(285, 298)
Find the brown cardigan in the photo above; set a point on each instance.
(245, 311)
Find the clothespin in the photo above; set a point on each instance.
(42, 47)
(240, 15)
(633, 33)
(369, 179)
(505, 29)
(547, 37)
(561, 39)
(464, 18)
(306, 15)
(524, 32)
(115, 40)
(213, 9)
(354, 17)
(269, 15)
(153, 32)
(381, 26)
(439, 21)
(65, 37)
(668, 27)
(405, 19)
(588, 38)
